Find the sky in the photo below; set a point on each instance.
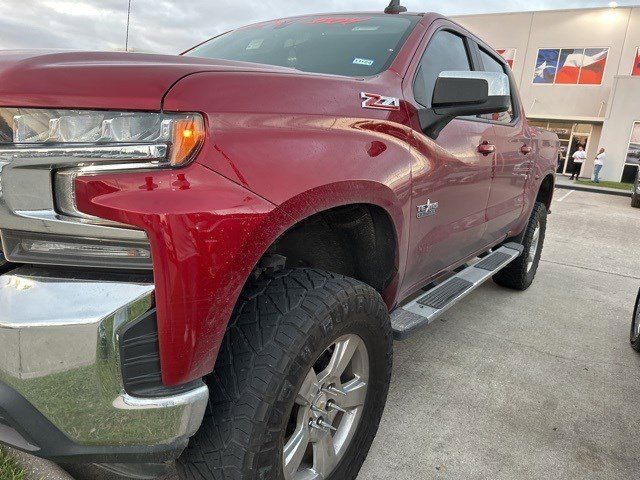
(172, 26)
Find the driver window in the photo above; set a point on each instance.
(492, 65)
(446, 51)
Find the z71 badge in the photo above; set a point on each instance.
(379, 102)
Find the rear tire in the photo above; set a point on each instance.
(520, 273)
(274, 352)
(635, 200)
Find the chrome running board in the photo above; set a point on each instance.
(429, 306)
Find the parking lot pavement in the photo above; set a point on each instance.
(537, 384)
(520, 385)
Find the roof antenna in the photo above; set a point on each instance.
(395, 7)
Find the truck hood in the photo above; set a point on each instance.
(100, 80)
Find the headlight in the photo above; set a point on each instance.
(181, 134)
(42, 151)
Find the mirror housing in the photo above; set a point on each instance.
(458, 94)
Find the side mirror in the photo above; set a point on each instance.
(458, 94)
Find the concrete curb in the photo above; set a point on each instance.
(585, 188)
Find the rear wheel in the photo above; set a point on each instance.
(520, 273)
(635, 200)
(300, 383)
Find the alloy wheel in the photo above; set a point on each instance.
(327, 410)
(533, 249)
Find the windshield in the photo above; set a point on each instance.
(355, 46)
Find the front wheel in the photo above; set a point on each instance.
(520, 273)
(300, 383)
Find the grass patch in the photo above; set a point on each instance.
(9, 468)
(618, 185)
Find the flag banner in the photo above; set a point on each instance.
(509, 54)
(594, 63)
(572, 66)
(546, 65)
(636, 64)
(569, 65)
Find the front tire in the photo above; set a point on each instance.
(300, 383)
(520, 273)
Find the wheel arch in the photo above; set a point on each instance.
(356, 229)
(357, 240)
(545, 191)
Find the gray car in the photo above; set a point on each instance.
(635, 325)
(635, 196)
(634, 152)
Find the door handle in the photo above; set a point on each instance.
(485, 148)
(526, 149)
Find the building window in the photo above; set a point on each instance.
(632, 161)
(570, 66)
(635, 71)
(509, 55)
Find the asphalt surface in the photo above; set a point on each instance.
(519, 385)
(539, 384)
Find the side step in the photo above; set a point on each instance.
(430, 305)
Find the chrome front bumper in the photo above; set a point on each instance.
(59, 351)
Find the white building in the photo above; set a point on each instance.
(579, 74)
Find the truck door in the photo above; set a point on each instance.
(451, 175)
(514, 159)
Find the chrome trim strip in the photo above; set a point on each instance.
(498, 82)
(127, 402)
(65, 155)
(26, 195)
(59, 350)
(65, 194)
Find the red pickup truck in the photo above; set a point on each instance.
(207, 256)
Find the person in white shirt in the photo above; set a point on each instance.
(578, 159)
(597, 165)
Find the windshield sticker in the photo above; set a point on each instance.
(363, 61)
(338, 20)
(255, 44)
(346, 21)
(371, 28)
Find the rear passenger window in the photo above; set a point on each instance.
(492, 65)
(446, 51)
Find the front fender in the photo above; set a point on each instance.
(207, 233)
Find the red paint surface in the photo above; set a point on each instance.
(635, 71)
(206, 234)
(280, 146)
(100, 80)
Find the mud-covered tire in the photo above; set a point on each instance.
(282, 324)
(520, 273)
(635, 326)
